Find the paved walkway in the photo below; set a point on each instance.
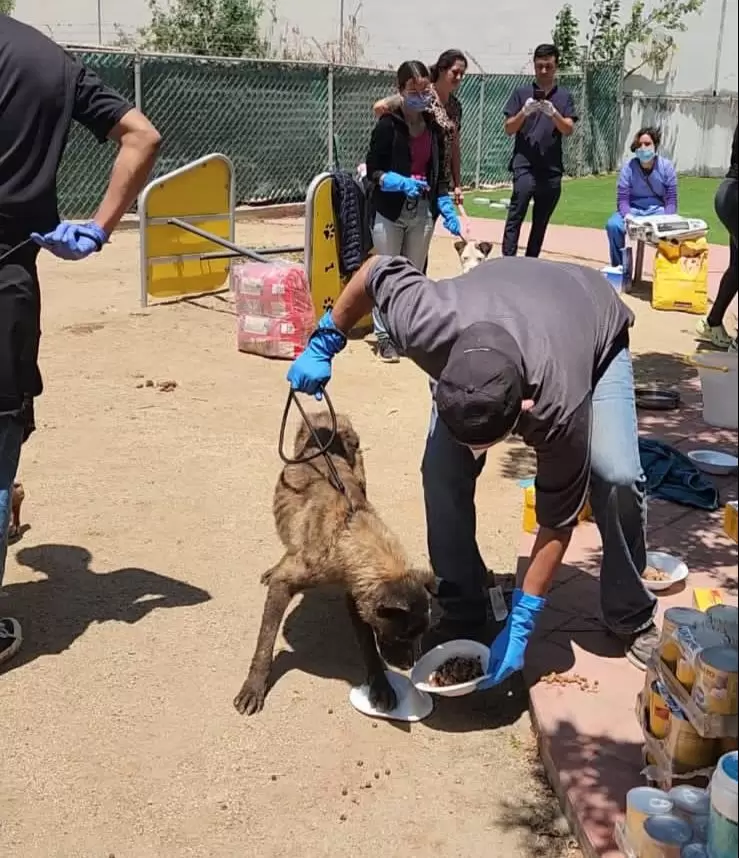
(591, 742)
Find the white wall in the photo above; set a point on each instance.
(499, 35)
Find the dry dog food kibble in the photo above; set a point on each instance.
(652, 574)
(456, 670)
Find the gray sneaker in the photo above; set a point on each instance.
(641, 646)
(387, 352)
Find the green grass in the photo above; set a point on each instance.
(591, 200)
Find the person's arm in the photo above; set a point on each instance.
(138, 143)
(669, 177)
(623, 190)
(380, 154)
(109, 116)
(457, 151)
(386, 105)
(354, 302)
(565, 121)
(562, 485)
(514, 114)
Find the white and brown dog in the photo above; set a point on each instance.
(472, 253)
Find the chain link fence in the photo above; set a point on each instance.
(282, 123)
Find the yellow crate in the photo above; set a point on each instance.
(681, 277)
(730, 520)
(529, 510)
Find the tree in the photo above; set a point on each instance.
(226, 28)
(565, 36)
(647, 37)
(7, 6)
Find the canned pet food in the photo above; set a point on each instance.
(715, 688)
(665, 836)
(674, 619)
(691, 642)
(690, 802)
(686, 747)
(695, 850)
(659, 712)
(641, 803)
(725, 619)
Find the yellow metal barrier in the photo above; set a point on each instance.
(322, 248)
(201, 193)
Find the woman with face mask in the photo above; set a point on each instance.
(446, 109)
(647, 185)
(405, 169)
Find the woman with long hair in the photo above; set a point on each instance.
(446, 75)
(408, 186)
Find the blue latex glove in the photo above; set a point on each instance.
(72, 240)
(395, 183)
(449, 215)
(311, 370)
(508, 649)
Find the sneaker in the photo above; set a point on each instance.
(641, 646)
(387, 352)
(716, 335)
(10, 638)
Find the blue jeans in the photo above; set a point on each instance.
(616, 231)
(11, 439)
(410, 236)
(617, 496)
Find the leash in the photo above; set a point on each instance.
(334, 477)
(15, 249)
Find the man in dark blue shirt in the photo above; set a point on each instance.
(540, 114)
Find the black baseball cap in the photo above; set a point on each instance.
(480, 391)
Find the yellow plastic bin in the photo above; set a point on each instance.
(529, 510)
(681, 277)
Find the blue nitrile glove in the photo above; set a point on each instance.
(508, 649)
(449, 215)
(395, 183)
(311, 370)
(72, 240)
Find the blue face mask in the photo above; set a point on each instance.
(413, 101)
(645, 154)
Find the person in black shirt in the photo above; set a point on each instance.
(42, 89)
(540, 114)
(726, 203)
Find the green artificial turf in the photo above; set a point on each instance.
(591, 200)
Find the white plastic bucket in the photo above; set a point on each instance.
(719, 375)
(723, 841)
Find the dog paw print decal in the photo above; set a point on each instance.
(328, 304)
(329, 231)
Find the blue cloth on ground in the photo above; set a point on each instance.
(671, 476)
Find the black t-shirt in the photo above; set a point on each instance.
(538, 144)
(42, 89)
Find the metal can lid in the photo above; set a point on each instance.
(721, 658)
(691, 799)
(668, 830)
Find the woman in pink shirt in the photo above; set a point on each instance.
(409, 186)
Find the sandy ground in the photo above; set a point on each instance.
(137, 583)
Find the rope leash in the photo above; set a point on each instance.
(15, 249)
(334, 477)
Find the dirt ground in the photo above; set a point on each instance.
(137, 583)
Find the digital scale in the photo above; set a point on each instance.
(652, 229)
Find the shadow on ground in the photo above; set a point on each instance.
(58, 609)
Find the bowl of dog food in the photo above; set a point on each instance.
(663, 571)
(714, 462)
(451, 669)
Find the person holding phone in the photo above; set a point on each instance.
(539, 115)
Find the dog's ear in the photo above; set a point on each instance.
(459, 246)
(485, 247)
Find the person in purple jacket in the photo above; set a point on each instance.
(647, 185)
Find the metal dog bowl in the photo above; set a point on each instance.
(654, 397)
